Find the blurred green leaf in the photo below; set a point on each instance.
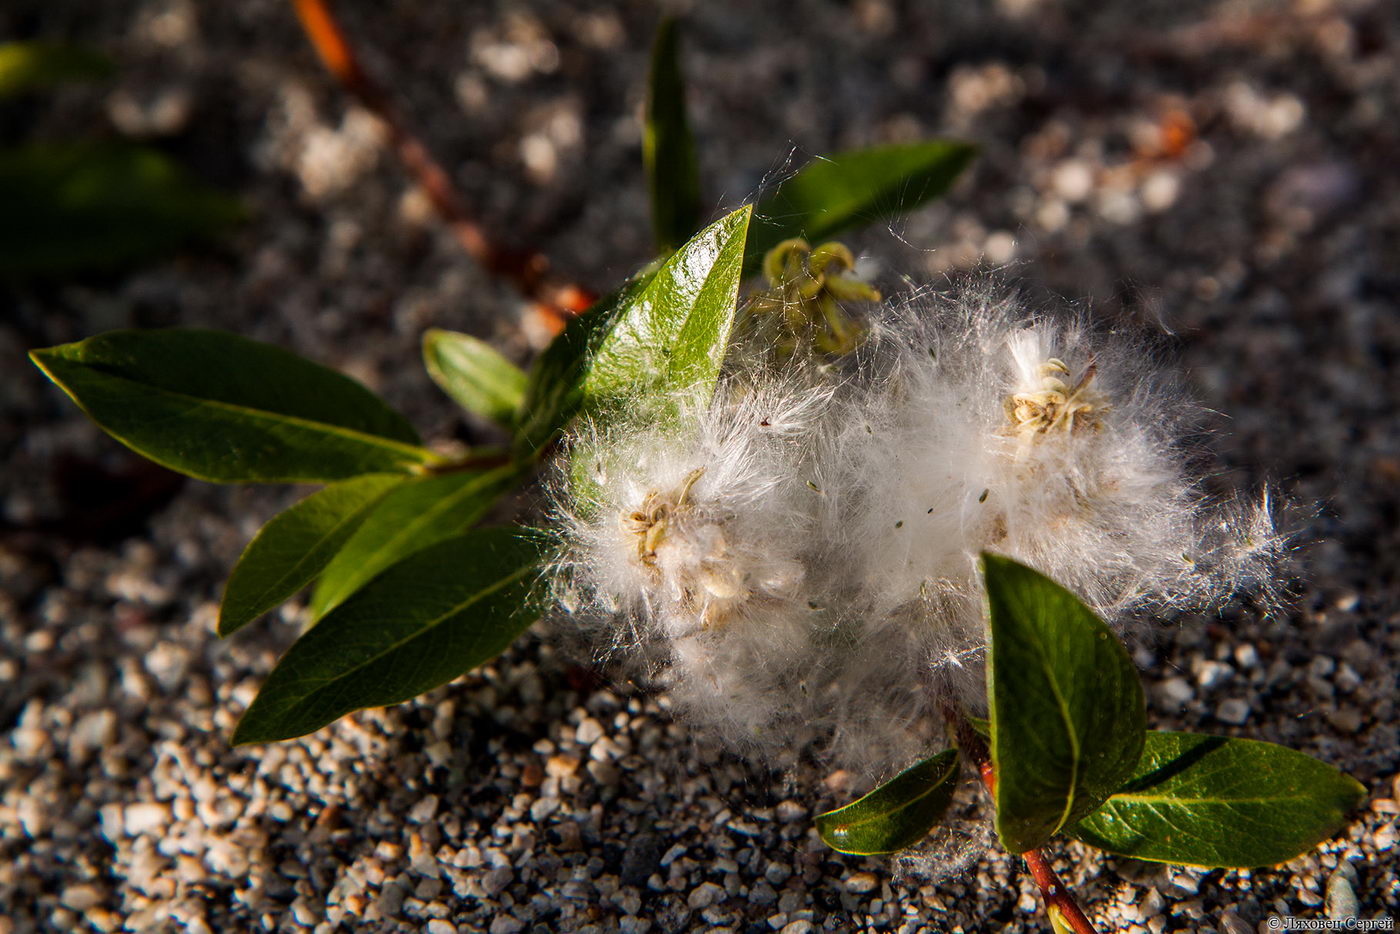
(668, 149)
(473, 373)
(223, 408)
(427, 620)
(406, 520)
(29, 66)
(1200, 800)
(72, 206)
(665, 332)
(896, 815)
(290, 550)
(1067, 710)
(851, 189)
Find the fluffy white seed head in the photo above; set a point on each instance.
(800, 559)
(689, 540)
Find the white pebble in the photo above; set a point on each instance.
(589, 732)
(862, 882)
(1234, 710)
(1176, 691)
(148, 817)
(81, 898)
(506, 924)
(704, 895)
(423, 811)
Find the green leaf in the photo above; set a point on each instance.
(668, 150)
(475, 374)
(27, 66)
(406, 520)
(1067, 710)
(424, 622)
(854, 188)
(296, 545)
(1201, 800)
(664, 333)
(73, 206)
(897, 814)
(223, 408)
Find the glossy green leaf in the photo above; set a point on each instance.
(896, 815)
(1201, 800)
(475, 374)
(227, 409)
(73, 206)
(28, 66)
(1067, 710)
(406, 520)
(664, 333)
(296, 545)
(668, 150)
(851, 189)
(422, 623)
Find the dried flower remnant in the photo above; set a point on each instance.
(690, 553)
(803, 307)
(1049, 402)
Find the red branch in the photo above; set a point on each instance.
(527, 270)
(1059, 903)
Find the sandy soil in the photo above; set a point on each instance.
(1222, 171)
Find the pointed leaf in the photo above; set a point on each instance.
(427, 620)
(665, 332)
(26, 66)
(1067, 709)
(896, 815)
(73, 206)
(1201, 800)
(854, 188)
(223, 408)
(409, 518)
(296, 545)
(475, 374)
(668, 150)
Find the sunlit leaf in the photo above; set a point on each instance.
(475, 374)
(896, 815)
(854, 188)
(429, 619)
(663, 335)
(223, 408)
(293, 548)
(409, 518)
(1067, 711)
(1212, 801)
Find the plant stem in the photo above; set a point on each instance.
(526, 269)
(1064, 911)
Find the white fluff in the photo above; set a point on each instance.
(799, 560)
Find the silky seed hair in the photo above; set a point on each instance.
(797, 560)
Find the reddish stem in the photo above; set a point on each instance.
(1058, 899)
(526, 269)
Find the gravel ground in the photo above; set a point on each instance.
(1225, 171)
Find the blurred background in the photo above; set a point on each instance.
(1223, 172)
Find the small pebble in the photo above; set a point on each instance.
(1234, 711)
(1341, 898)
(862, 882)
(704, 895)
